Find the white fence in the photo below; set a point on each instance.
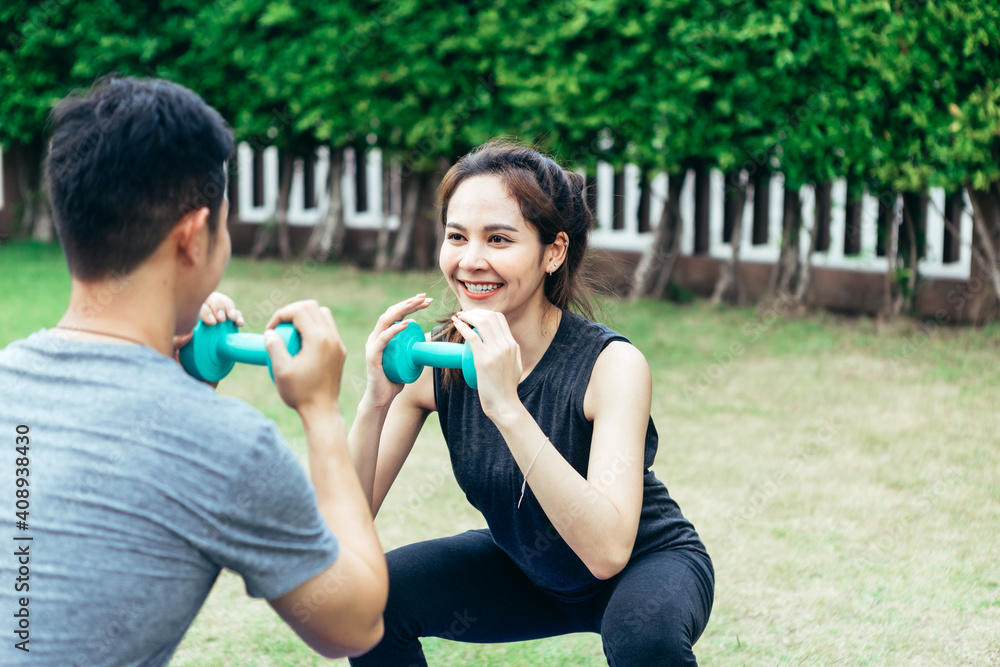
(307, 214)
(629, 237)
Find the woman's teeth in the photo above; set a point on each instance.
(482, 288)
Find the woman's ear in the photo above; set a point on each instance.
(557, 252)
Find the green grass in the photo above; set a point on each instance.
(844, 477)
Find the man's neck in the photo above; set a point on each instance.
(138, 307)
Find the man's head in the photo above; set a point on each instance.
(127, 162)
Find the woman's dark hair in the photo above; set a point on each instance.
(550, 198)
(127, 161)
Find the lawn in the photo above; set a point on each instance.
(845, 478)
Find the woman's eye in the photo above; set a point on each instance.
(454, 237)
(497, 239)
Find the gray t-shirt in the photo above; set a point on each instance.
(142, 484)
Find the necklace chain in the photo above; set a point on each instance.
(99, 333)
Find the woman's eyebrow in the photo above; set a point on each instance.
(496, 227)
(501, 228)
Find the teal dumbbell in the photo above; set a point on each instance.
(214, 350)
(407, 353)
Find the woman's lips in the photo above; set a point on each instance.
(480, 290)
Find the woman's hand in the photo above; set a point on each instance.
(380, 390)
(217, 308)
(498, 361)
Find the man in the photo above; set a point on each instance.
(136, 483)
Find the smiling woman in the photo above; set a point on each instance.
(492, 258)
(504, 189)
(554, 445)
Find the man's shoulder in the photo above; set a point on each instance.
(230, 420)
(216, 420)
(122, 384)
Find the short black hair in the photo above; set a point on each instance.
(127, 161)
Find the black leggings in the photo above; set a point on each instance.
(464, 588)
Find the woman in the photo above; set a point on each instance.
(554, 448)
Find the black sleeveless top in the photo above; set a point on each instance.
(486, 471)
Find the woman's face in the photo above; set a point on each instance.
(491, 255)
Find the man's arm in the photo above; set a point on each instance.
(339, 611)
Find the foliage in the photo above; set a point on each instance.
(898, 94)
(49, 49)
(903, 91)
(274, 69)
(940, 66)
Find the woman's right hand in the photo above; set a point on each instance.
(381, 390)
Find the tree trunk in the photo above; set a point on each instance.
(288, 168)
(412, 188)
(29, 164)
(261, 240)
(20, 155)
(986, 220)
(787, 266)
(433, 206)
(912, 263)
(425, 233)
(265, 232)
(805, 276)
(893, 296)
(326, 234)
(42, 230)
(382, 242)
(729, 277)
(653, 273)
(407, 215)
(339, 244)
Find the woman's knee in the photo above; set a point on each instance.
(647, 634)
(658, 610)
(409, 586)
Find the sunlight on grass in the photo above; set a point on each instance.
(845, 480)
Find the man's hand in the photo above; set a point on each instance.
(311, 379)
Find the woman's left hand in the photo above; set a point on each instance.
(217, 308)
(498, 360)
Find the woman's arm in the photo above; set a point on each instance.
(597, 516)
(381, 438)
(390, 415)
(618, 402)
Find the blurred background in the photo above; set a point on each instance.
(821, 152)
(801, 196)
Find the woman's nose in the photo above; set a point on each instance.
(473, 257)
